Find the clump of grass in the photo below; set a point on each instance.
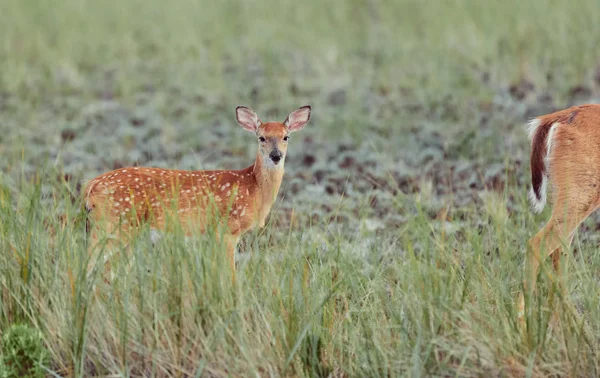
(23, 353)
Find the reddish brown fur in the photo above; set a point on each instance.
(573, 171)
(148, 193)
(120, 201)
(539, 143)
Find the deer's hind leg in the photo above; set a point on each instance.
(576, 197)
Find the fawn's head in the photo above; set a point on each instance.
(273, 136)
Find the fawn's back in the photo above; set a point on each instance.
(131, 196)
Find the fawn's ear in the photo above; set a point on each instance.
(247, 118)
(298, 118)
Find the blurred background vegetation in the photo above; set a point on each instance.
(378, 73)
(409, 183)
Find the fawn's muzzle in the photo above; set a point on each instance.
(275, 156)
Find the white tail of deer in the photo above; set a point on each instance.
(565, 155)
(118, 202)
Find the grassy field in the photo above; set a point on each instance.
(397, 242)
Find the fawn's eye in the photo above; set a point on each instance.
(286, 138)
(262, 139)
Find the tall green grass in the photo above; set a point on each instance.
(430, 301)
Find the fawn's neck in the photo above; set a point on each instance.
(268, 179)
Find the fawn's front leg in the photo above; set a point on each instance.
(230, 244)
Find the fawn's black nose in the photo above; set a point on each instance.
(275, 156)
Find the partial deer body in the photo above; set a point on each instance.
(565, 157)
(120, 201)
